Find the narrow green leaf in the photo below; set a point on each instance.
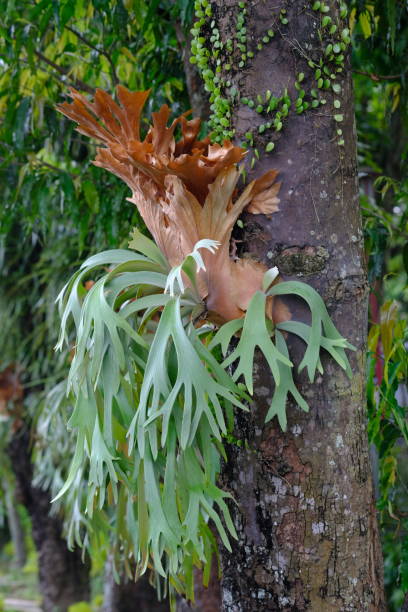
(286, 386)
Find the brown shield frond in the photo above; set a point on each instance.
(117, 126)
(183, 189)
(265, 190)
(227, 284)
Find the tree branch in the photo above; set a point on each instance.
(379, 77)
(65, 72)
(55, 168)
(101, 51)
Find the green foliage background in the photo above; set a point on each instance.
(57, 208)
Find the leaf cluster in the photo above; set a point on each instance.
(387, 430)
(153, 402)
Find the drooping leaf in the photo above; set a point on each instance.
(201, 392)
(321, 322)
(256, 332)
(334, 347)
(285, 386)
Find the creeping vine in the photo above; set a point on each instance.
(221, 61)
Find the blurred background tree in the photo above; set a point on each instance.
(58, 208)
(380, 49)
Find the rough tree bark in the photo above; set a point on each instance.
(63, 577)
(306, 520)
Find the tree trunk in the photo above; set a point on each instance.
(306, 520)
(207, 599)
(200, 106)
(129, 595)
(63, 577)
(15, 526)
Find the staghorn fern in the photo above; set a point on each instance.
(153, 399)
(160, 388)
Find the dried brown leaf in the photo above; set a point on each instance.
(117, 126)
(184, 190)
(265, 190)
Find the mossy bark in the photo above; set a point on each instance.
(305, 515)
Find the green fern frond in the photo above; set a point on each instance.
(155, 399)
(191, 265)
(286, 386)
(256, 332)
(321, 322)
